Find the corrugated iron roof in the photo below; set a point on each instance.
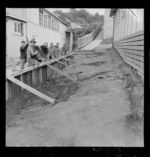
(112, 12)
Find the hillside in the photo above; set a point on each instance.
(79, 16)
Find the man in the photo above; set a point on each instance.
(64, 50)
(50, 51)
(57, 52)
(32, 54)
(44, 48)
(23, 53)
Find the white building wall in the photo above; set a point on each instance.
(32, 28)
(127, 22)
(42, 34)
(108, 25)
(13, 39)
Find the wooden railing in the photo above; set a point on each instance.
(88, 38)
(32, 76)
(131, 49)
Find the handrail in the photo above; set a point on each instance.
(89, 37)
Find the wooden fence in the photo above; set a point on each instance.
(131, 48)
(83, 41)
(32, 76)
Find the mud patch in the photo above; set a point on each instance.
(94, 54)
(98, 63)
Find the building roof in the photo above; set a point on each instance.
(112, 12)
(15, 17)
(57, 17)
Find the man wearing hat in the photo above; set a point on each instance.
(23, 53)
(32, 54)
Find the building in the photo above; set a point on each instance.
(38, 23)
(108, 25)
(128, 36)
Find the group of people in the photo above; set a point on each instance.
(33, 54)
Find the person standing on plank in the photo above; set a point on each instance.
(57, 51)
(50, 51)
(32, 54)
(63, 50)
(23, 53)
(44, 48)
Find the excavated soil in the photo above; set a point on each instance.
(104, 107)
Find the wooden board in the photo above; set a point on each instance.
(18, 88)
(136, 34)
(62, 73)
(30, 89)
(139, 58)
(139, 64)
(29, 78)
(40, 75)
(34, 77)
(67, 65)
(138, 53)
(135, 66)
(141, 43)
(138, 38)
(44, 73)
(127, 47)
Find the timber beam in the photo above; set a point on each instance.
(62, 73)
(30, 89)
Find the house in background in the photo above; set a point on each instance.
(108, 25)
(128, 36)
(38, 23)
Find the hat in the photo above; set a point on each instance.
(33, 40)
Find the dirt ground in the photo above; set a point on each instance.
(104, 107)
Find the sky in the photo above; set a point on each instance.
(91, 11)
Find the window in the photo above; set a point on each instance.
(40, 17)
(52, 22)
(18, 27)
(45, 20)
(49, 21)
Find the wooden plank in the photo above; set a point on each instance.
(21, 81)
(40, 75)
(18, 88)
(62, 73)
(141, 42)
(134, 66)
(67, 65)
(139, 33)
(34, 77)
(138, 38)
(128, 47)
(30, 89)
(48, 72)
(44, 73)
(71, 60)
(29, 78)
(138, 53)
(140, 64)
(36, 67)
(139, 58)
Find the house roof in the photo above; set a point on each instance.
(112, 12)
(57, 17)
